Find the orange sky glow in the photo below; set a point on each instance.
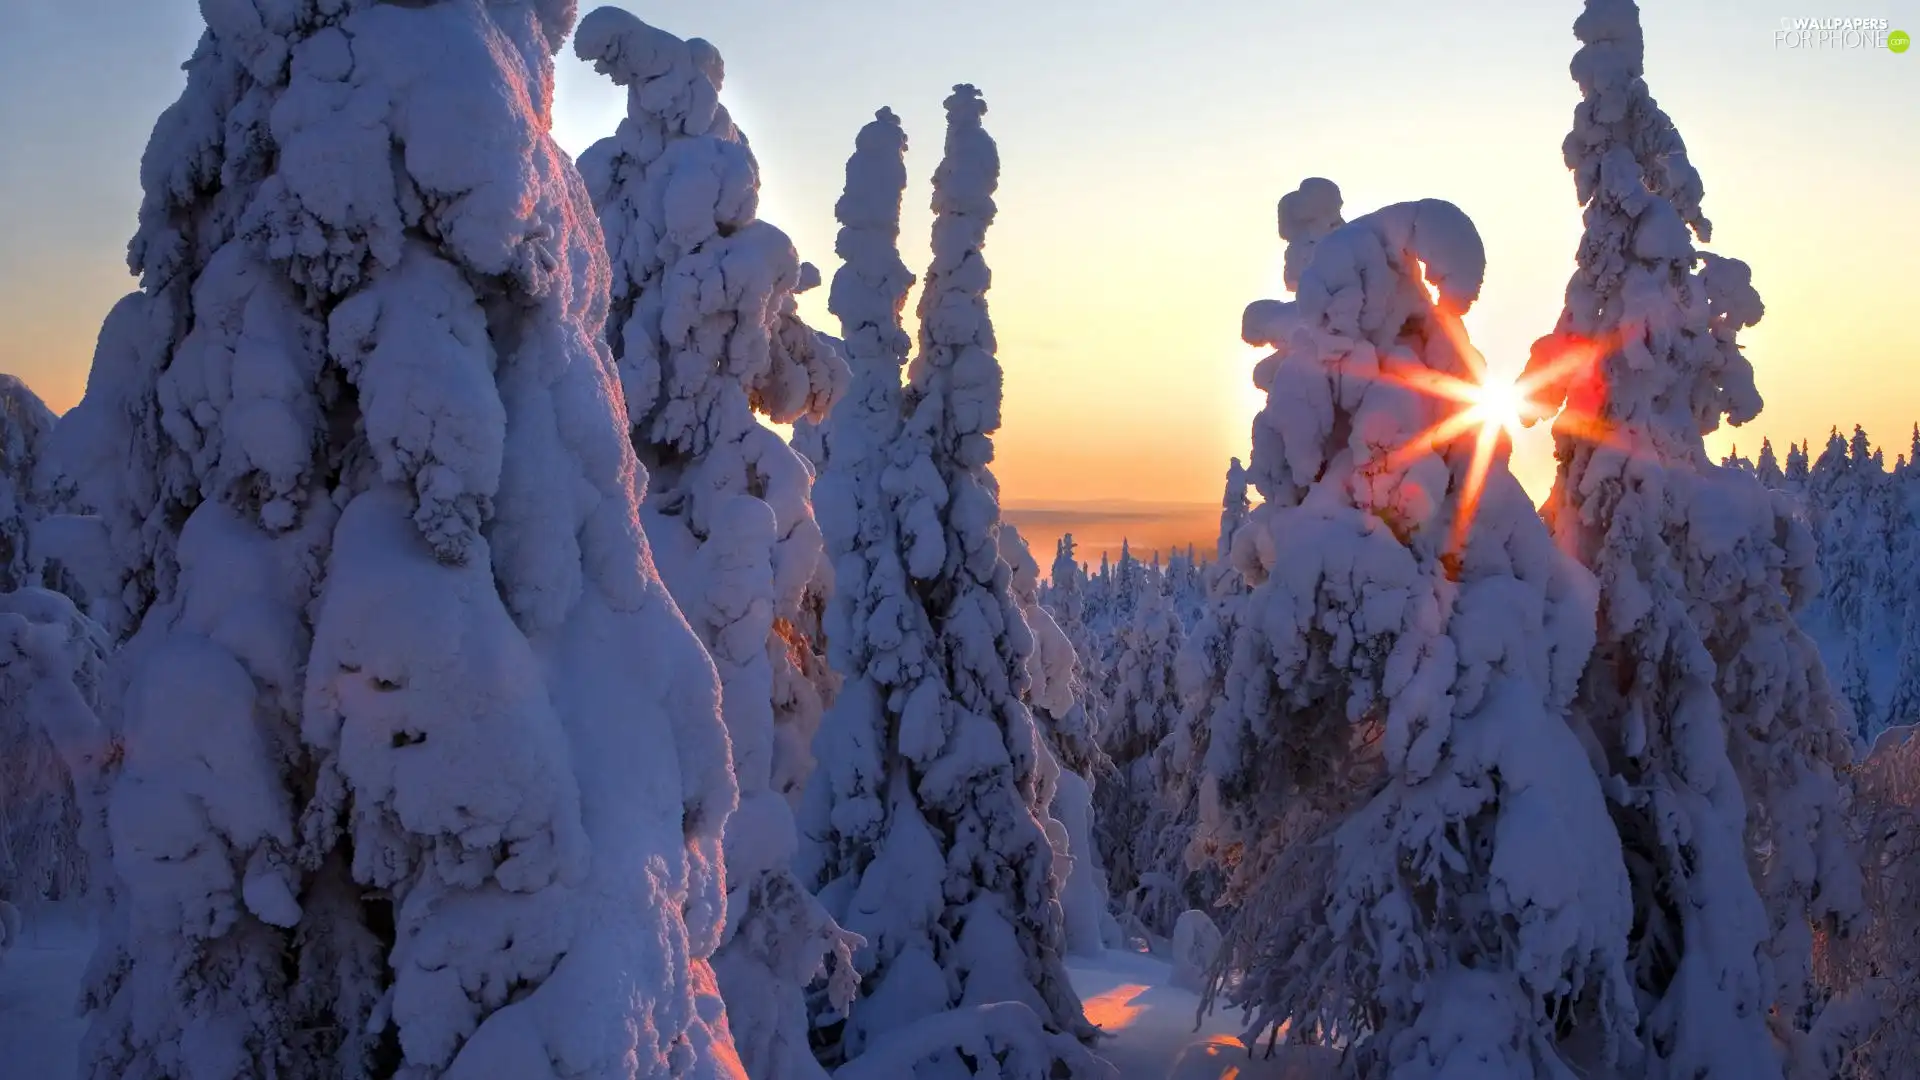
(1143, 149)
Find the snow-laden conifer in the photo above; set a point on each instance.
(925, 806)
(419, 770)
(708, 340)
(1420, 853)
(1709, 711)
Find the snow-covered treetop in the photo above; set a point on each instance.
(253, 150)
(953, 307)
(1307, 213)
(1767, 465)
(702, 291)
(1618, 112)
(1066, 574)
(25, 422)
(1358, 283)
(854, 505)
(1234, 506)
(1635, 298)
(673, 86)
(1368, 278)
(870, 288)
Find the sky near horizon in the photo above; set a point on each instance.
(1143, 146)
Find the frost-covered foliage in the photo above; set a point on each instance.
(1007, 1038)
(1143, 708)
(51, 746)
(1055, 691)
(1710, 716)
(1873, 1033)
(1865, 521)
(25, 422)
(43, 542)
(1767, 466)
(927, 809)
(420, 772)
(706, 333)
(1419, 851)
(1056, 698)
(41, 854)
(1178, 868)
(1065, 598)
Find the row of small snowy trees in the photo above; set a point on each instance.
(470, 630)
(1865, 520)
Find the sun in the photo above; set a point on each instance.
(1488, 409)
(1487, 412)
(1498, 402)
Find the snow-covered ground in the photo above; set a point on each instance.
(1152, 1032)
(1151, 1027)
(40, 1022)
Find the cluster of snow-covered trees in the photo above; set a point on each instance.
(1865, 519)
(425, 654)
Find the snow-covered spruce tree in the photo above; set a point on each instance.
(51, 747)
(1056, 698)
(1176, 867)
(924, 807)
(1186, 585)
(1055, 690)
(41, 856)
(1871, 1030)
(53, 827)
(1421, 856)
(1065, 598)
(1767, 468)
(705, 332)
(420, 772)
(1143, 707)
(1709, 711)
(1796, 470)
(25, 422)
(1903, 706)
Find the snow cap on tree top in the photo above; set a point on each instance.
(677, 80)
(1356, 282)
(1618, 113)
(970, 172)
(876, 175)
(1307, 213)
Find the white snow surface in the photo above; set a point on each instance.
(1153, 1030)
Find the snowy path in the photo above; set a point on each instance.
(40, 1025)
(1150, 1025)
(1151, 1028)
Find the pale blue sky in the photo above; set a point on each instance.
(1144, 144)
